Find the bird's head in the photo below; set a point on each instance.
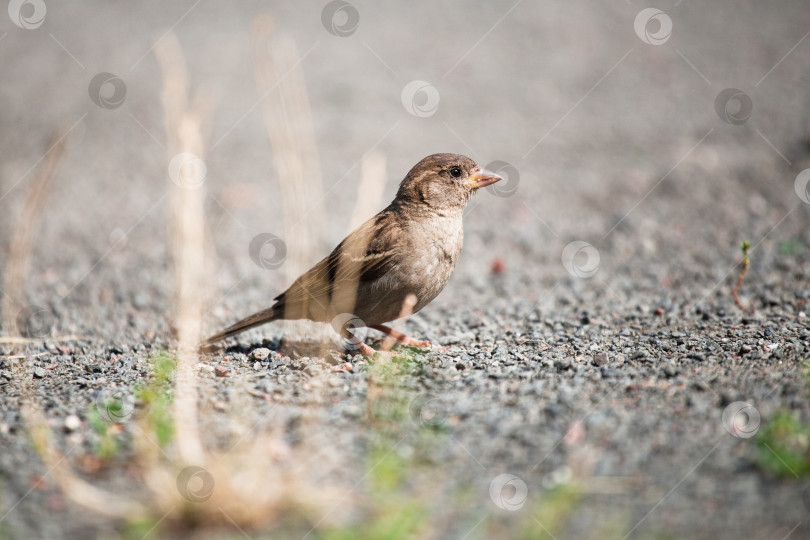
(444, 181)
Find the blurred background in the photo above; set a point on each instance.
(607, 133)
(659, 136)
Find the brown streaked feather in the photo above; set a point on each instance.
(312, 295)
(257, 319)
(367, 253)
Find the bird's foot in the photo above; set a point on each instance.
(402, 339)
(365, 350)
(361, 348)
(410, 342)
(353, 344)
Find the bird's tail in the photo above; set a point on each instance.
(265, 316)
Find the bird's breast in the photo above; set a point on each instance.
(434, 248)
(427, 252)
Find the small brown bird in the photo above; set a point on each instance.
(411, 247)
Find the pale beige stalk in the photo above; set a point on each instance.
(187, 233)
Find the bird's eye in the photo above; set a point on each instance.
(455, 172)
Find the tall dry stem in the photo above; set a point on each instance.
(186, 148)
(19, 256)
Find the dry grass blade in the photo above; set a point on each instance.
(247, 488)
(14, 283)
(288, 118)
(21, 356)
(370, 191)
(185, 138)
(21, 340)
(19, 255)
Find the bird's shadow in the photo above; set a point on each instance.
(283, 347)
(301, 349)
(243, 347)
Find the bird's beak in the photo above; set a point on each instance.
(481, 178)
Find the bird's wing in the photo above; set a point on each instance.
(382, 247)
(368, 253)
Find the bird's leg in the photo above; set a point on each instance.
(401, 338)
(364, 349)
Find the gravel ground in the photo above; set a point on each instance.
(601, 369)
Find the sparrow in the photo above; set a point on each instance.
(409, 248)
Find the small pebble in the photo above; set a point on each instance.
(72, 422)
(39, 373)
(260, 353)
(221, 371)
